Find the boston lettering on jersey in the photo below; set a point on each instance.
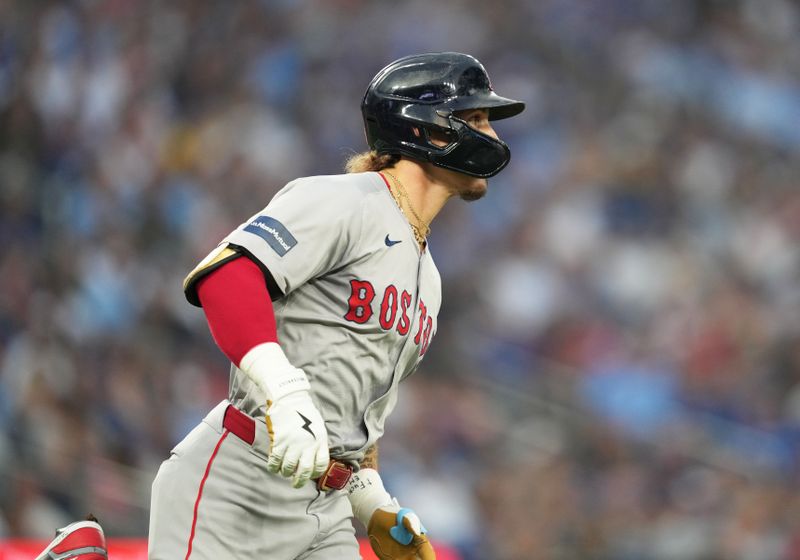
(393, 313)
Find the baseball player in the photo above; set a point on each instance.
(325, 301)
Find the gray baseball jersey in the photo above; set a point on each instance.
(357, 312)
(360, 299)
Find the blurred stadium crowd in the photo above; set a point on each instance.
(617, 369)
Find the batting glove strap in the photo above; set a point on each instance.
(403, 534)
(268, 367)
(397, 534)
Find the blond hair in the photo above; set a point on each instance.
(370, 161)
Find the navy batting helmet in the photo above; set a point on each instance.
(419, 94)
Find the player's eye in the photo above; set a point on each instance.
(477, 119)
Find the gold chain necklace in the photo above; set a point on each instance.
(421, 229)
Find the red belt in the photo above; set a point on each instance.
(335, 477)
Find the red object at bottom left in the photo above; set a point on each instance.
(82, 540)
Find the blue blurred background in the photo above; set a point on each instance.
(616, 373)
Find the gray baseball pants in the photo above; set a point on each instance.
(214, 499)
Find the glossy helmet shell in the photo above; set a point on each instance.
(419, 94)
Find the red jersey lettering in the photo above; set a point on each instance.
(404, 324)
(423, 314)
(426, 338)
(360, 304)
(388, 308)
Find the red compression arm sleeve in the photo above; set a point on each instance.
(238, 308)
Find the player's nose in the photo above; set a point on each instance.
(490, 131)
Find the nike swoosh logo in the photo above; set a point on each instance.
(389, 242)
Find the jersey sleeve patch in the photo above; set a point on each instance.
(273, 232)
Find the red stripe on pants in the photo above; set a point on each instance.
(200, 491)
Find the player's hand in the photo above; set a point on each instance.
(396, 533)
(299, 447)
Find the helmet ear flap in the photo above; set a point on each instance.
(436, 139)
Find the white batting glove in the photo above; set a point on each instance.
(299, 440)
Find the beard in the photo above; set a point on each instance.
(476, 190)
